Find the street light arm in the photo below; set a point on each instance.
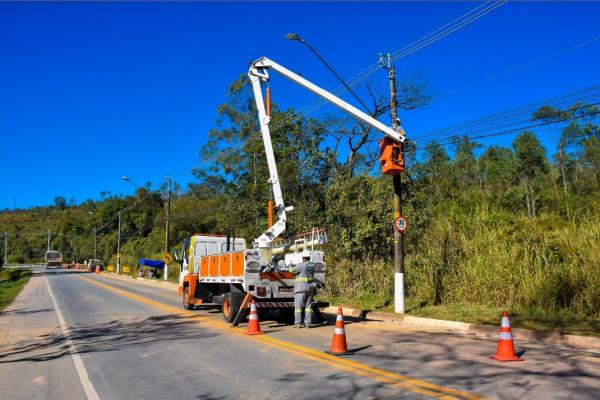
(339, 78)
(260, 67)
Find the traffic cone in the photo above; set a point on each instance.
(253, 325)
(338, 344)
(97, 269)
(506, 347)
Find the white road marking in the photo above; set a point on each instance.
(81, 371)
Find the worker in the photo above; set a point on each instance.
(304, 288)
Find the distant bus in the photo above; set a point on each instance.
(54, 258)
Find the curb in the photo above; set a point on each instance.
(437, 325)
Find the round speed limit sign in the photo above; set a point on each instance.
(401, 224)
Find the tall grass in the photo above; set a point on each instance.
(490, 258)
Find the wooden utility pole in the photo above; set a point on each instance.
(397, 181)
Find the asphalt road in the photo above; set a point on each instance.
(73, 335)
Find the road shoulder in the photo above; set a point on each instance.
(27, 357)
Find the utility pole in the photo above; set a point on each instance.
(166, 270)
(397, 182)
(95, 241)
(119, 246)
(49, 235)
(168, 218)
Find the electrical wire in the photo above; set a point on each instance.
(515, 69)
(493, 121)
(411, 48)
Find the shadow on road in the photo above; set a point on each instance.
(109, 336)
(26, 312)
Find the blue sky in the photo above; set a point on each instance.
(93, 91)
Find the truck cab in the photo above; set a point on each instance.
(202, 245)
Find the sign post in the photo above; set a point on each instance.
(401, 224)
(168, 259)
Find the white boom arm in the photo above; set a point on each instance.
(258, 72)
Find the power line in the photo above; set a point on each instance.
(371, 157)
(411, 48)
(517, 68)
(586, 94)
(522, 128)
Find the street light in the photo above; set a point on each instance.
(127, 179)
(296, 37)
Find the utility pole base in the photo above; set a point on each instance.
(399, 293)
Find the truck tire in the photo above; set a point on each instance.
(286, 314)
(186, 299)
(230, 308)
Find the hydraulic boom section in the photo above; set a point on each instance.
(258, 73)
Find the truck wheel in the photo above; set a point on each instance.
(286, 314)
(186, 298)
(230, 308)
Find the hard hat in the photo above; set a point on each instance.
(306, 254)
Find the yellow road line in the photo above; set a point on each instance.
(401, 381)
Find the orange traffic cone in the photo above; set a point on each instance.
(506, 347)
(253, 325)
(338, 344)
(97, 269)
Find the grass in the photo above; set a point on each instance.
(14, 280)
(469, 266)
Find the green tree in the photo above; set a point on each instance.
(434, 172)
(591, 157)
(237, 170)
(497, 168)
(60, 202)
(465, 163)
(531, 162)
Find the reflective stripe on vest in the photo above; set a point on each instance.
(304, 279)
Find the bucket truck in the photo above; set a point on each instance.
(221, 271)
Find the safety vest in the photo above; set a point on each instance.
(304, 276)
